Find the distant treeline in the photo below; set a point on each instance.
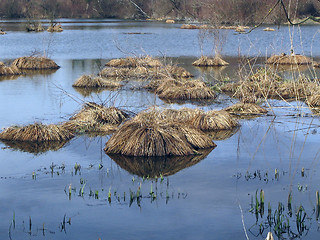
(216, 11)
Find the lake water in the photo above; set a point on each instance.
(209, 198)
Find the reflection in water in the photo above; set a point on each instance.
(86, 92)
(158, 166)
(222, 134)
(34, 147)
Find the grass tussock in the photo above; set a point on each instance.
(172, 89)
(293, 59)
(7, 71)
(268, 29)
(35, 63)
(131, 62)
(87, 81)
(150, 136)
(145, 73)
(246, 109)
(214, 120)
(37, 132)
(55, 27)
(154, 167)
(205, 61)
(266, 84)
(96, 118)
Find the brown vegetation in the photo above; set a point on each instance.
(246, 109)
(292, 59)
(131, 62)
(87, 81)
(96, 118)
(205, 61)
(54, 27)
(6, 71)
(154, 137)
(34, 63)
(37, 132)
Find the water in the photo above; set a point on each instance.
(200, 199)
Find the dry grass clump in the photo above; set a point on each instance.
(34, 63)
(142, 72)
(130, 62)
(87, 81)
(154, 167)
(55, 27)
(170, 21)
(205, 61)
(184, 90)
(314, 100)
(214, 120)
(268, 29)
(153, 137)
(34, 27)
(292, 59)
(246, 109)
(37, 132)
(182, 115)
(189, 26)
(2, 32)
(96, 118)
(6, 71)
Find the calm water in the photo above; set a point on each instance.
(206, 198)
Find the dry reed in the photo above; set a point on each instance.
(214, 120)
(246, 109)
(87, 81)
(292, 59)
(37, 132)
(205, 61)
(6, 71)
(151, 136)
(34, 63)
(130, 62)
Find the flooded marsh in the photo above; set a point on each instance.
(262, 176)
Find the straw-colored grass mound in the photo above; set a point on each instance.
(55, 28)
(172, 89)
(268, 29)
(205, 61)
(153, 137)
(2, 32)
(314, 101)
(154, 167)
(293, 59)
(265, 84)
(130, 62)
(87, 81)
(145, 73)
(36, 133)
(6, 71)
(96, 118)
(34, 63)
(214, 120)
(189, 26)
(246, 109)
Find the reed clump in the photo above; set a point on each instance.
(268, 29)
(34, 27)
(214, 120)
(55, 27)
(34, 63)
(205, 61)
(87, 81)
(145, 73)
(36, 132)
(131, 62)
(184, 90)
(265, 84)
(150, 136)
(7, 71)
(292, 59)
(96, 118)
(247, 109)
